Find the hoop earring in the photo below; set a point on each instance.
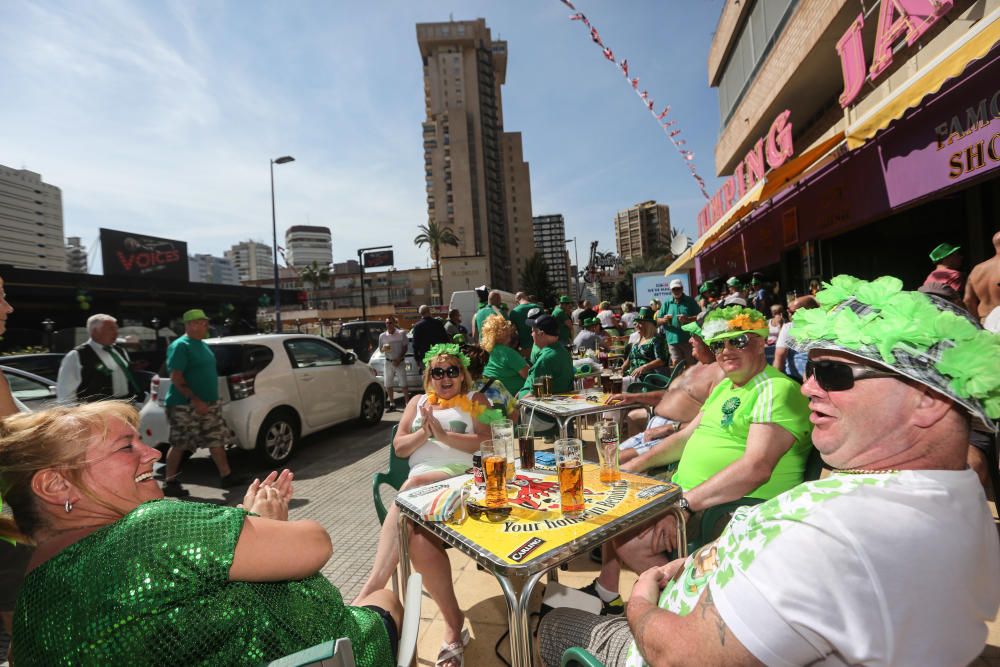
(68, 506)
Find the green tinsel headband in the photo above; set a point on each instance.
(446, 349)
(732, 321)
(921, 337)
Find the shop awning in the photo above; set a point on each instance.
(772, 183)
(973, 45)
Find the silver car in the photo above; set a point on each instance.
(414, 380)
(33, 390)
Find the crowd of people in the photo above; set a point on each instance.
(890, 559)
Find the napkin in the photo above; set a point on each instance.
(443, 505)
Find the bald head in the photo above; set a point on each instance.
(495, 298)
(424, 310)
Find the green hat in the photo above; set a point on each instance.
(733, 321)
(645, 315)
(590, 321)
(565, 299)
(193, 315)
(924, 338)
(734, 282)
(943, 251)
(694, 329)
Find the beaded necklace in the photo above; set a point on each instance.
(460, 401)
(862, 471)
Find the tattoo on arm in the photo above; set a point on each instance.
(639, 630)
(710, 612)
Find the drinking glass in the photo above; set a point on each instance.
(569, 466)
(608, 437)
(495, 471)
(526, 446)
(503, 431)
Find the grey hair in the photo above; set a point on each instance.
(94, 321)
(423, 310)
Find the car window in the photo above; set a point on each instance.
(312, 353)
(232, 358)
(26, 389)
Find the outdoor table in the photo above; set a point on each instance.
(536, 537)
(566, 407)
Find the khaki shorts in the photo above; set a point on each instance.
(189, 430)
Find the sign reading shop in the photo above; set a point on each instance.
(128, 254)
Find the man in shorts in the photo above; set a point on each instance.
(193, 407)
(393, 343)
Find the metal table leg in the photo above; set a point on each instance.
(517, 615)
(404, 565)
(682, 542)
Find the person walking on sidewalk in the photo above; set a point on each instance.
(193, 407)
(99, 369)
(393, 344)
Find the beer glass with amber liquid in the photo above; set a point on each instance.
(495, 471)
(607, 438)
(569, 467)
(503, 431)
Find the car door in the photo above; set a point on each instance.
(326, 392)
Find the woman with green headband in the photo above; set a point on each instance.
(438, 432)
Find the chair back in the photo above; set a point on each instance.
(655, 382)
(411, 621)
(399, 469)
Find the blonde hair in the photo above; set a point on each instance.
(55, 438)
(493, 328)
(466, 378)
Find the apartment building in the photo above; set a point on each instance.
(252, 261)
(641, 229)
(31, 221)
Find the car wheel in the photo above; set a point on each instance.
(372, 405)
(278, 437)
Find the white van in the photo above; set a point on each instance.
(467, 303)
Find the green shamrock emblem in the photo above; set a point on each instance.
(728, 409)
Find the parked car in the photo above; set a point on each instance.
(34, 391)
(360, 337)
(277, 388)
(45, 364)
(414, 380)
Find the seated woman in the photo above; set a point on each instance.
(122, 576)
(494, 390)
(649, 353)
(439, 431)
(505, 364)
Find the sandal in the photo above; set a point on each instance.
(455, 651)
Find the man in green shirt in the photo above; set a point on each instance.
(519, 317)
(562, 315)
(494, 306)
(553, 358)
(674, 314)
(751, 439)
(193, 407)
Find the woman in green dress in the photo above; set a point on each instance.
(649, 353)
(122, 576)
(505, 365)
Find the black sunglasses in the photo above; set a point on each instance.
(838, 376)
(738, 342)
(493, 514)
(439, 373)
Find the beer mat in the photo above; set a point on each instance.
(546, 459)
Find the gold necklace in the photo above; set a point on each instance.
(862, 471)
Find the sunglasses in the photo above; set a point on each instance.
(737, 343)
(439, 373)
(838, 376)
(494, 514)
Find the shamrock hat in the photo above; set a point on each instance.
(193, 315)
(919, 336)
(590, 321)
(733, 321)
(645, 315)
(694, 329)
(734, 282)
(565, 299)
(943, 250)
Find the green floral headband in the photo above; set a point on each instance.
(449, 349)
(921, 337)
(732, 321)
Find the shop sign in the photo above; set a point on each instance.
(896, 19)
(130, 254)
(776, 146)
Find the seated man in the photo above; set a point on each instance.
(892, 560)
(590, 336)
(751, 438)
(553, 360)
(675, 406)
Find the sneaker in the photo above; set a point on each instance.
(391, 407)
(614, 608)
(234, 479)
(173, 489)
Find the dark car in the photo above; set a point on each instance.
(35, 391)
(360, 337)
(45, 364)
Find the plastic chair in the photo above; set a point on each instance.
(576, 655)
(655, 382)
(398, 470)
(339, 653)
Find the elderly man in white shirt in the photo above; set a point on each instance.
(98, 369)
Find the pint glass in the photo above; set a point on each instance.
(607, 438)
(569, 466)
(495, 471)
(503, 431)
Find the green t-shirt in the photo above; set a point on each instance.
(553, 360)
(672, 330)
(153, 588)
(519, 316)
(505, 365)
(196, 361)
(565, 335)
(770, 397)
(482, 314)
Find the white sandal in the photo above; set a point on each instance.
(452, 651)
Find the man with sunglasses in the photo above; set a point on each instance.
(892, 559)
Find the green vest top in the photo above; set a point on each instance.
(153, 589)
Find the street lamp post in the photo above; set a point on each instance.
(576, 274)
(156, 332)
(274, 236)
(48, 325)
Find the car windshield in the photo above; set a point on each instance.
(232, 358)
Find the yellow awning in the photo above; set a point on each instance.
(772, 183)
(973, 45)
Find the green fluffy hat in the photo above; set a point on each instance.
(922, 337)
(732, 321)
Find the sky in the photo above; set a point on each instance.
(160, 117)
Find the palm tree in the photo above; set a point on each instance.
(535, 280)
(317, 276)
(434, 235)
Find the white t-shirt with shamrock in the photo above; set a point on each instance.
(876, 569)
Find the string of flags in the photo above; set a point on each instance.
(665, 125)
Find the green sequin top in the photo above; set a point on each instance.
(153, 589)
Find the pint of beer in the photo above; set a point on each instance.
(503, 431)
(569, 466)
(495, 472)
(607, 438)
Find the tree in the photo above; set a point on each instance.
(434, 236)
(317, 276)
(535, 280)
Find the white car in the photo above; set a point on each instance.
(277, 388)
(414, 380)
